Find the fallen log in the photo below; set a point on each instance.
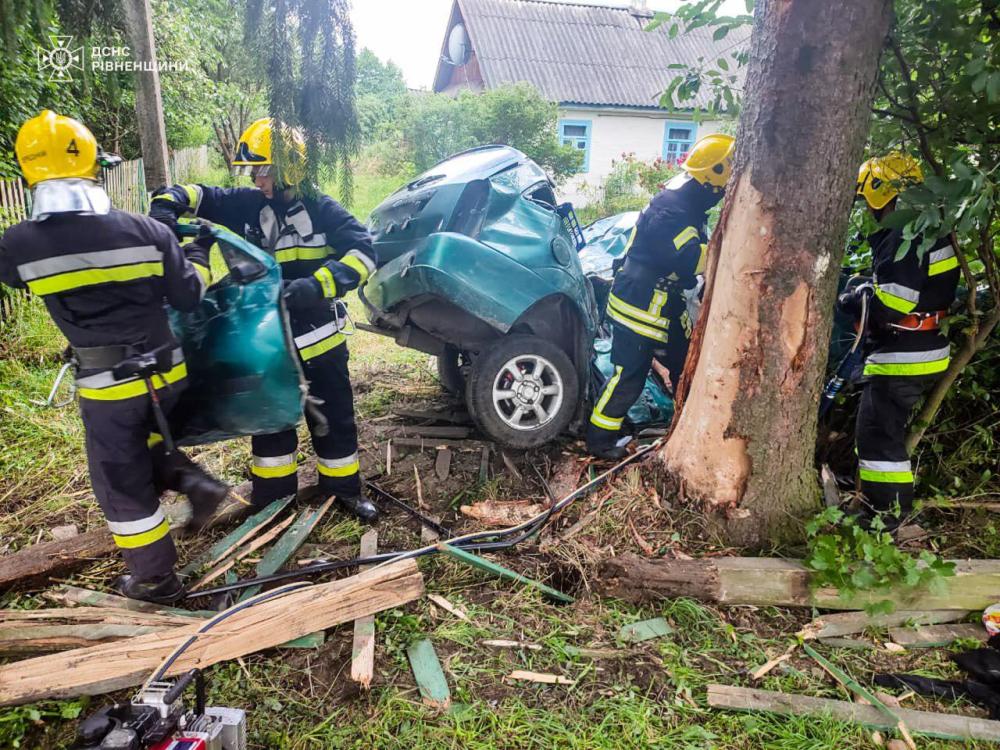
(943, 726)
(113, 666)
(765, 581)
(59, 557)
(936, 636)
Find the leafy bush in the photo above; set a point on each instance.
(628, 187)
(852, 559)
(437, 125)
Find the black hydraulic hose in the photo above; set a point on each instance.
(410, 510)
(476, 542)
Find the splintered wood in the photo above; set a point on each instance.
(113, 666)
(363, 651)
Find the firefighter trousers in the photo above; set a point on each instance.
(128, 469)
(883, 417)
(275, 457)
(632, 355)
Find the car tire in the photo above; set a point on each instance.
(547, 399)
(449, 370)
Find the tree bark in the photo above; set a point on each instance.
(148, 102)
(743, 440)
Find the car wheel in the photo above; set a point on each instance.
(450, 371)
(522, 391)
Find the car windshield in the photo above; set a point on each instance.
(478, 163)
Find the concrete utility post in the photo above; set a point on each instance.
(148, 102)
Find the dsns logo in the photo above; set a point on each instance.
(60, 61)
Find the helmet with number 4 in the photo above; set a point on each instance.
(882, 178)
(54, 147)
(254, 153)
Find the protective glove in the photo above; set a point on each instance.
(166, 210)
(204, 238)
(302, 295)
(849, 302)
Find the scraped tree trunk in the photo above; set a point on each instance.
(744, 438)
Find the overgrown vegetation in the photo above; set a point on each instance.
(628, 187)
(854, 559)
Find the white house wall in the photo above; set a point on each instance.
(617, 132)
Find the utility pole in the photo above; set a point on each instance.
(148, 102)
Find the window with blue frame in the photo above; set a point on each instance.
(577, 133)
(678, 137)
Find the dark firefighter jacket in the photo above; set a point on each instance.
(904, 287)
(664, 254)
(105, 279)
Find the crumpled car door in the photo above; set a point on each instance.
(244, 377)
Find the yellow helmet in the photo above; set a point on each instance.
(255, 150)
(53, 147)
(881, 178)
(710, 160)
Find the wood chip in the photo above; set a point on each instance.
(448, 607)
(363, 650)
(767, 666)
(62, 533)
(429, 676)
(893, 648)
(442, 464)
(420, 488)
(540, 677)
(500, 643)
(495, 513)
(637, 632)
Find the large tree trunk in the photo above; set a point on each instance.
(744, 439)
(148, 102)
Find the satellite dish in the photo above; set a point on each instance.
(458, 45)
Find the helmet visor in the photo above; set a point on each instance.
(255, 171)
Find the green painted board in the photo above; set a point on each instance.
(429, 675)
(498, 570)
(255, 521)
(293, 538)
(312, 640)
(637, 632)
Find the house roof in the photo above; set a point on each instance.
(583, 54)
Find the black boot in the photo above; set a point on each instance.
(360, 506)
(606, 451)
(204, 491)
(166, 589)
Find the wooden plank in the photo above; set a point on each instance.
(646, 630)
(498, 570)
(429, 676)
(73, 595)
(286, 546)
(765, 581)
(78, 615)
(452, 416)
(240, 535)
(431, 443)
(113, 666)
(36, 639)
(363, 649)
(429, 432)
(543, 678)
(932, 636)
(244, 552)
(57, 557)
(941, 726)
(442, 464)
(849, 623)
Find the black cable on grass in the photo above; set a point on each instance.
(475, 542)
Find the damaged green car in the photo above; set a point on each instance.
(479, 266)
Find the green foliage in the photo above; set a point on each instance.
(628, 187)
(15, 723)
(852, 559)
(382, 98)
(306, 48)
(717, 74)
(437, 126)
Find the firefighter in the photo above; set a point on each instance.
(324, 253)
(907, 353)
(104, 276)
(647, 303)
